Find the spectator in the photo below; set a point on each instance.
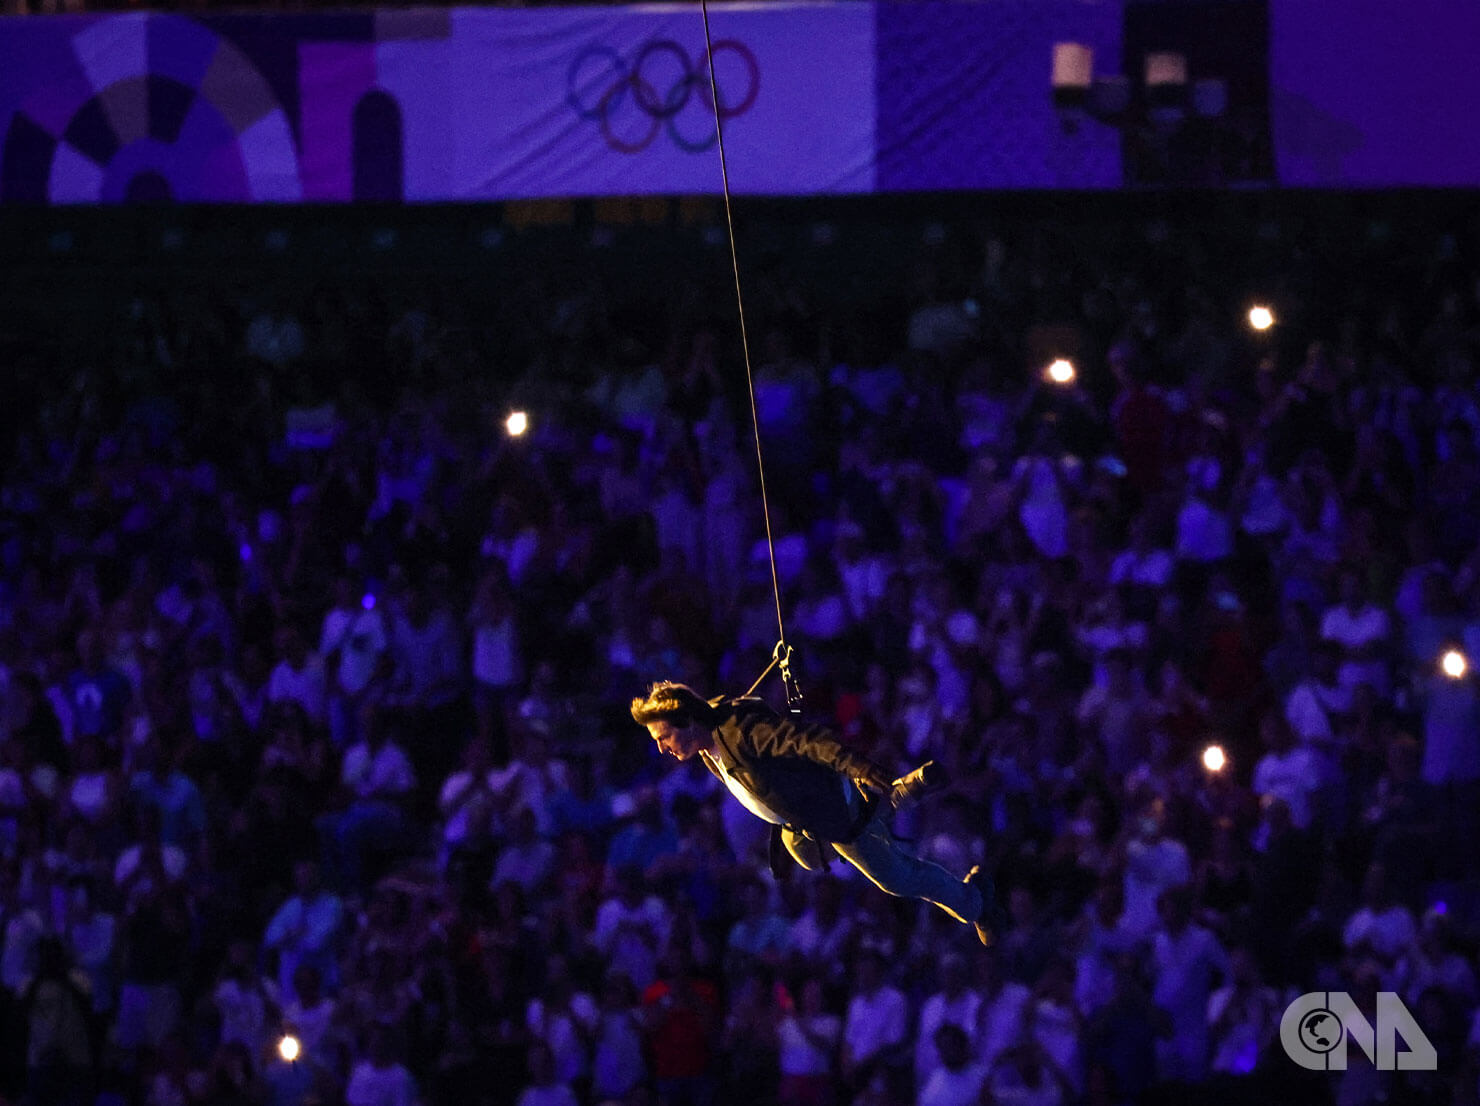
(54, 1017)
(1380, 928)
(1243, 1018)
(645, 839)
(1123, 1038)
(758, 939)
(1361, 628)
(957, 1081)
(525, 859)
(822, 933)
(751, 1061)
(171, 793)
(1287, 772)
(631, 926)
(377, 777)
(89, 933)
(298, 676)
(352, 646)
(618, 1064)
(876, 1027)
(378, 1078)
(808, 1036)
(304, 929)
(97, 694)
(498, 654)
(1026, 1075)
(1435, 961)
(467, 802)
(95, 792)
(1188, 961)
(564, 1019)
(21, 930)
(240, 1001)
(426, 655)
(954, 1004)
(148, 865)
(681, 1015)
(309, 1014)
(1154, 863)
(155, 927)
(545, 1088)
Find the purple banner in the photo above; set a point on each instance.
(964, 96)
(1372, 93)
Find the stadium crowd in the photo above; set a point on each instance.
(314, 685)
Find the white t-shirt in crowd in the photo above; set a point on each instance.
(1043, 514)
(528, 864)
(174, 861)
(1309, 707)
(1236, 1050)
(372, 1086)
(629, 937)
(1451, 731)
(1292, 776)
(1151, 569)
(1203, 533)
(383, 772)
(496, 660)
(310, 1023)
(618, 1064)
(243, 1013)
(20, 932)
(799, 1056)
(1389, 933)
(360, 637)
(556, 1094)
(458, 808)
(938, 1010)
(1187, 966)
(1056, 1029)
(1001, 1021)
(954, 1088)
(1355, 630)
(562, 1031)
(304, 686)
(1151, 869)
(864, 581)
(875, 1022)
(1008, 1089)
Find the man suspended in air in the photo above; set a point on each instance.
(819, 796)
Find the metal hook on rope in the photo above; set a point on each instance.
(782, 656)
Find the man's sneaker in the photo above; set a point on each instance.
(993, 919)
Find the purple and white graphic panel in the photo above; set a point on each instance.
(1372, 93)
(964, 95)
(616, 101)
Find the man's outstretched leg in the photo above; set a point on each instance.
(879, 856)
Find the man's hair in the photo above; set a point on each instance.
(674, 703)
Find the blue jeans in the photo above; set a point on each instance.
(879, 856)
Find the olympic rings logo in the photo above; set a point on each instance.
(603, 87)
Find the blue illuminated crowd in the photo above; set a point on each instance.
(314, 677)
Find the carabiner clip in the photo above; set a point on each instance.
(781, 655)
